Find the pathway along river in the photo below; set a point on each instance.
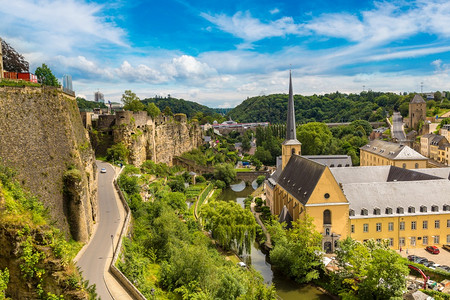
(287, 289)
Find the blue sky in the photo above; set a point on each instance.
(218, 53)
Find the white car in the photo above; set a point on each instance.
(241, 264)
(103, 170)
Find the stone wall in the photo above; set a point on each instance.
(42, 137)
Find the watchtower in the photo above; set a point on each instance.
(417, 111)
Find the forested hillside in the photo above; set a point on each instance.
(335, 107)
(179, 106)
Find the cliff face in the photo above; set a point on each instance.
(158, 140)
(42, 137)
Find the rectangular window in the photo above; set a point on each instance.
(448, 223)
(391, 242)
(401, 242)
(436, 224)
(425, 240)
(413, 241)
(391, 226)
(425, 225)
(353, 228)
(448, 238)
(402, 225)
(365, 227)
(378, 227)
(436, 239)
(413, 225)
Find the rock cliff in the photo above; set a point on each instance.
(158, 140)
(42, 137)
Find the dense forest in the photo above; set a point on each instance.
(328, 108)
(85, 104)
(179, 106)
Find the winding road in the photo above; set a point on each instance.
(98, 253)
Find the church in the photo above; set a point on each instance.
(408, 208)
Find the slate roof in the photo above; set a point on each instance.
(285, 216)
(392, 151)
(300, 176)
(331, 160)
(400, 174)
(437, 139)
(417, 99)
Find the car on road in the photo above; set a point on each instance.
(411, 257)
(446, 247)
(432, 249)
(103, 170)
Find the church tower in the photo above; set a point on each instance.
(290, 145)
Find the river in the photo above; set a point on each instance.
(287, 289)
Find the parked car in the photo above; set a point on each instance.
(241, 264)
(432, 249)
(420, 260)
(103, 170)
(411, 257)
(428, 264)
(446, 247)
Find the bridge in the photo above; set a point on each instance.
(192, 166)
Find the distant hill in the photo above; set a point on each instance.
(179, 106)
(329, 108)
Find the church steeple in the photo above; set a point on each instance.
(290, 126)
(290, 145)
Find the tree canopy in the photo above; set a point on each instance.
(225, 172)
(314, 137)
(131, 101)
(12, 60)
(45, 76)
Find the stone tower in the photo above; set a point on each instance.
(290, 145)
(1, 59)
(417, 111)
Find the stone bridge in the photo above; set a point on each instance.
(191, 166)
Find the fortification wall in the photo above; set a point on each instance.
(42, 137)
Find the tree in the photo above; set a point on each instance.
(177, 201)
(131, 101)
(225, 172)
(315, 138)
(246, 143)
(117, 152)
(260, 179)
(404, 109)
(12, 60)
(232, 226)
(263, 155)
(45, 76)
(296, 250)
(153, 110)
(167, 111)
(371, 269)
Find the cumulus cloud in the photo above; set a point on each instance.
(186, 67)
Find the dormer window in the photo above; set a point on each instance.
(411, 209)
(388, 211)
(446, 208)
(423, 208)
(400, 210)
(364, 212)
(434, 208)
(351, 213)
(376, 211)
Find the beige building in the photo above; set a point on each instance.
(417, 111)
(425, 141)
(381, 153)
(435, 143)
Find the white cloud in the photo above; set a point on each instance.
(274, 11)
(187, 67)
(250, 29)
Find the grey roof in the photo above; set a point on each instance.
(400, 174)
(392, 151)
(439, 172)
(429, 135)
(285, 216)
(291, 135)
(331, 160)
(437, 139)
(300, 176)
(402, 194)
(417, 99)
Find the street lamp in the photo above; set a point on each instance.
(112, 242)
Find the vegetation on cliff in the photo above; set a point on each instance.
(169, 253)
(189, 108)
(35, 258)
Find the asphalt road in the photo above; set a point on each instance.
(93, 261)
(397, 121)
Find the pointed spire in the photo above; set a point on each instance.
(290, 126)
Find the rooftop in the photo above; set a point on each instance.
(392, 151)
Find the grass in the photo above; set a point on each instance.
(244, 170)
(20, 83)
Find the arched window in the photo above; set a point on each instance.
(376, 211)
(364, 212)
(400, 210)
(423, 208)
(351, 213)
(388, 211)
(411, 209)
(327, 231)
(293, 151)
(446, 208)
(434, 208)
(327, 217)
(416, 165)
(404, 166)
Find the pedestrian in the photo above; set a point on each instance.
(400, 249)
(406, 251)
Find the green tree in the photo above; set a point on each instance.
(246, 143)
(296, 250)
(404, 109)
(260, 179)
(45, 76)
(315, 138)
(225, 172)
(177, 201)
(371, 270)
(167, 111)
(131, 101)
(153, 110)
(232, 226)
(117, 152)
(263, 155)
(4, 279)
